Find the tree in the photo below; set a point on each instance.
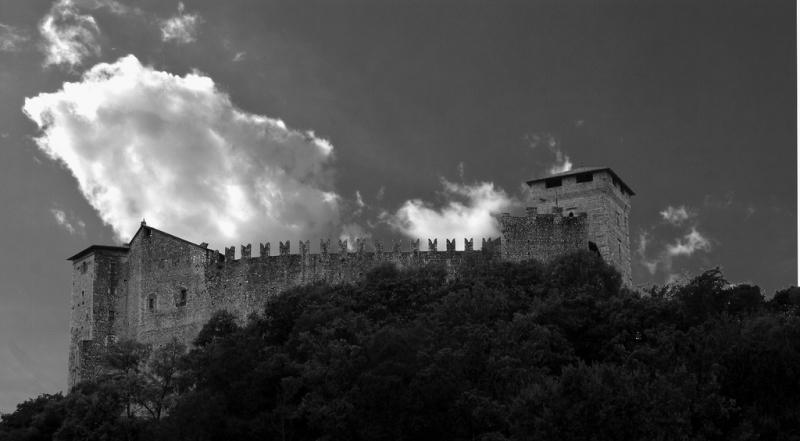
(36, 419)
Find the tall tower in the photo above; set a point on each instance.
(604, 197)
(93, 317)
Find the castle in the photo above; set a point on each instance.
(159, 286)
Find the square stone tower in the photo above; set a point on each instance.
(604, 197)
(95, 274)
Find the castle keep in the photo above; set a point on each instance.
(160, 286)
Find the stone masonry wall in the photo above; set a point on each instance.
(542, 236)
(242, 286)
(607, 206)
(80, 328)
(163, 268)
(164, 287)
(94, 308)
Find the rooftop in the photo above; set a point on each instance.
(126, 248)
(581, 170)
(94, 248)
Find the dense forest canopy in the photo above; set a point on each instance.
(508, 351)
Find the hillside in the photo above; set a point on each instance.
(509, 352)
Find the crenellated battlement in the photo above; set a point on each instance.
(160, 286)
(362, 247)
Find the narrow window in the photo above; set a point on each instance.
(84, 265)
(554, 182)
(619, 219)
(182, 298)
(111, 316)
(584, 177)
(619, 249)
(151, 303)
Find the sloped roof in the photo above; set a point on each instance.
(94, 248)
(580, 170)
(143, 226)
(127, 246)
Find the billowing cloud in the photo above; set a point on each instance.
(689, 244)
(12, 39)
(676, 215)
(72, 225)
(69, 36)
(144, 143)
(182, 28)
(467, 213)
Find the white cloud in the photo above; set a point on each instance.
(467, 213)
(689, 244)
(68, 35)
(72, 225)
(644, 240)
(351, 232)
(561, 162)
(359, 200)
(174, 150)
(112, 5)
(12, 39)
(182, 28)
(676, 215)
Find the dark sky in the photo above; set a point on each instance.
(691, 103)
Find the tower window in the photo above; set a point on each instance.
(584, 177)
(182, 297)
(619, 249)
(84, 266)
(151, 302)
(111, 316)
(553, 182)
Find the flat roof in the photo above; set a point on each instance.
(580, 170)
(94, 248)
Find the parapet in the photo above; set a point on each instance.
(362, 247)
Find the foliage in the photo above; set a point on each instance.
(511, 351)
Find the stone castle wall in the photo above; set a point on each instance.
(163, 287)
